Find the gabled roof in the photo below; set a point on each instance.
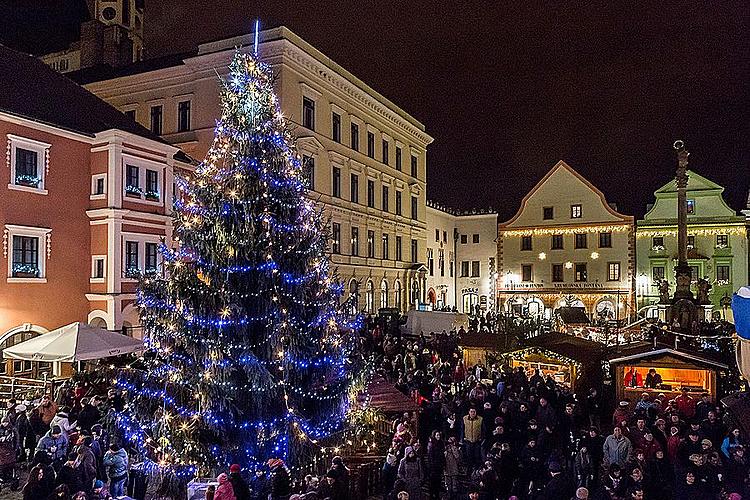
(646, 350)
(33, 90)
(696, 182)
(562, 165)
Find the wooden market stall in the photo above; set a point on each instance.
(476, 346)
(677, 369)
(562, 369)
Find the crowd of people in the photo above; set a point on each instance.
(496, 432)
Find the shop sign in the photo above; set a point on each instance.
(579, 285)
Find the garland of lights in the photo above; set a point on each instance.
(693, 231)
(247, 349)
(547, 231)
(543, 352)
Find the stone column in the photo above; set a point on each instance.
(682, 271)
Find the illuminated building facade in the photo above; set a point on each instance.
(717, 242)
(566, 246)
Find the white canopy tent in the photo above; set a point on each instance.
(74, 342)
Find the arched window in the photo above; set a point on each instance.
(383, 294)
(415, 292)
(18, 368)
(397, 294)
(369, 298)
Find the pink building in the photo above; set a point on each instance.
(86, 201)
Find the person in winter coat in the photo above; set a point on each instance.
(88, 416)
(435, 463)
(37, 487)
(8, 447)
(453, 467)
(43, 461)
(61, 420)
(100, 491)
(224, 491)
(411, 472)
(585, 468)
(47, 410)
(26, 436)
(239, 485)
(617, 449)
(55, 444)
(87, 462)
(116, 463)
(71, 474)
(280, 480)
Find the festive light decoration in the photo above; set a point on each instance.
(547, 231)
(248, 351)
(694, 231)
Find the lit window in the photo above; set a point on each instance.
(308, 172)
(613, 272)
(580, 272)
(28, 163)
(722, 240)
(336, 244)
(132, 181)
(575, 212)
(29, 247)
(690, 207)
(657, 274)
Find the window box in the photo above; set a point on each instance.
(27, 250)
(133, 191)
(132, 273)
(28, 161)
(25, 270)
(31, 181)
(151, 195)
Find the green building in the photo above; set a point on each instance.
(717, 242)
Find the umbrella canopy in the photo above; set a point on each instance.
(74, 342)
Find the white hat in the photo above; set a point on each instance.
(21, 407)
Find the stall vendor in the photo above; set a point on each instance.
(633, 378)
(653, 379)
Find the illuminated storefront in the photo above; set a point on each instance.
(670, 371)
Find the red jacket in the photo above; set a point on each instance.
(685, 405)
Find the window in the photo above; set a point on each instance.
(526, 272)
(399, 254)
(413, 166)
(354, 188)
(657, 242)
(152, 185)
(722, 240)
(580, 241)
(308, 113)
(336, 126)
(451, 262)
(97, 267)
(399, 210)
(371, 244)
(385, 198)
(441, 261)
(130, 113)
(414, 202)
(398, 158)
(385, 151)
(474, 268)
(575, 212)
(445, 236)
(526, 243)
(386, 247)
(430, 262)
(557, 242)
(132, 181)
(437, 234)
(355, 136)
(131, 258)
(722, 273)
(657, 274)
(557, 273)
(581, 274)
(126, 12)
(336, 243)
(605, 240)
(152, 252)
(308, 172)
(99, 184)
(548, 213)
(690, 207)
(370, 193)
(414, 251)
(336, 182)
(465, 268)
(691, 241)
(613, 273)
(370, 144)
(183, 116)
(355, 241)
(28, 162)
(464, 239)
(475, 238)
(156, 119)
(694, 273)
(25, 257)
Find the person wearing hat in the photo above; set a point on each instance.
(87, 461)
(89, 415)
(24, 431)
(685, 404)
(239, 485)
(55, 444)
(411, 471)
(100, 491)
(621, 415)
(559, 485)
(280, 480)
(688, 447)
(224, 491)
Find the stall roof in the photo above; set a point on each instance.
(477, 340)
(573, 315)
(645, 350)
(571, 346)
(385, 397)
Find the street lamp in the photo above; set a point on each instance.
(642, 282)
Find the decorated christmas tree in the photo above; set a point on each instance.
(247, 348)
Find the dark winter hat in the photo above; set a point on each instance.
(331, 473)
(98, 484)
(41, 457)
(56, 429)
(234, 468)
(554, 467)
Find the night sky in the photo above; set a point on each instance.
(507, 91)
